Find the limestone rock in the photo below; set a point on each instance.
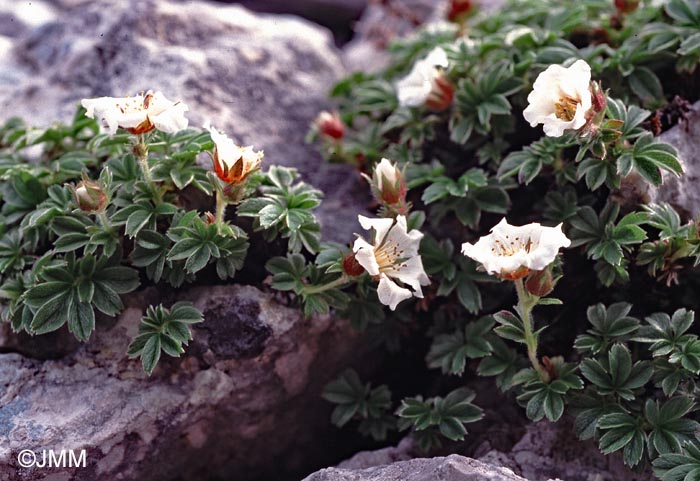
(683, 192)
(450, 468)
(549, 450)
(261, 78)
(246, 392)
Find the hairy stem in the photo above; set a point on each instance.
(221, 204)
(525, 305)
(105, 221)
(142, 156)
(325, 287)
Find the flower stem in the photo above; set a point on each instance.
(221, 204)
(105, 221)
(525, 305)
(142, 156)
(325, 287)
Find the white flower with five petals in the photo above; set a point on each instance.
(393, 258)
(561, 98)
(415, 89)
(511, 252)
(139, 114)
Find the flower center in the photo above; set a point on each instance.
(508, 247)
(565, 109)
(388, 255)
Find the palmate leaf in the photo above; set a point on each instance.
(69, 292)
(450, 351)
(286, 209)
(163, 329)
(358, 400)
(649, 157)
(447, 415)
(683, 466)
(617, 374)
(611, 324)
(622, 431)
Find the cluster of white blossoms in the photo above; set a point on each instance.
(512, 252)
(139, 114)
(392, 258)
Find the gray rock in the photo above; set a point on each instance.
(549, 450)
(247, 392)
(683, 192)
(450, 468)
(261, 78)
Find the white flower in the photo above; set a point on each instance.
(232, 163)
(393, 257)
(386, 170)
(511, 252)
(560, 99)
(414, 89)
(139, 114)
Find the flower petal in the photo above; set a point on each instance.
(380, 226)
(390, 294)
(364, 254)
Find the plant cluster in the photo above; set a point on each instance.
(90, 216)
(461, 110)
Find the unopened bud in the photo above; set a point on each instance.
(388, 183)
(626, 6)
(89, 196)
(540, 283)
(350, 265)
(330, 125)
(598, 98)
(458, 10)
(440, 97)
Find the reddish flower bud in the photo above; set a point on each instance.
(540, 283)
(458, 9)
(626, 6)
(89, 196)
(440, 97)
(330, 125)
(598, 98)
(388, 184)
(350, 265)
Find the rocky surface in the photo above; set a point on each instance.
(550, 450)
(683, 192)
(247, 392)
(450, 468)
(261, 78)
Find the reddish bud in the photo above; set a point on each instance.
(598, 98)
(459, 9)
(350, 265)
(330, 125)
(441, 96)
(89, 196)
(540, 283)
(626, 6)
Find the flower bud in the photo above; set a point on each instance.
(598, 98)
(458, 9)
(350, 265)
(540, 283)
(89, 196)
(626, 6)
(232, 163)
(388, 183)
(330, 125)
(440, 97)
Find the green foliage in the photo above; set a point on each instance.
(446, 416)
(359, 401)
(148, 223)
(165, 330)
